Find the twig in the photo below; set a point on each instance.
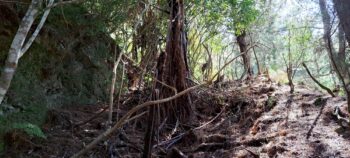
(229, 62)
(114, 77)
(166, 85)
(317, 82)
(63, 3)
(178, 137)
(141, 69)
(120, 88)
(93, 117)
(14, 1)
(136, 117)
(222, 111)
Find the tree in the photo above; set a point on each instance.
(343, 11)
(243, 47)
(337, 61)
(172, 65)
(242, 14)
(18, 46)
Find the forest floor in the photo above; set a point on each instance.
(256, 118)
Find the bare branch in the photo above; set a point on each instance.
(37, 30)
(125, 118)
(60, 3)
(317, 82)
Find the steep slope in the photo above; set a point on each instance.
(66, 65)
(234, 119)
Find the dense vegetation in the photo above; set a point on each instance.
(108, 52)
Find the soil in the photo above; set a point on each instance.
(256, 118)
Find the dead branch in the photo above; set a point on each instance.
(125, 118)
(114, 78)
(229, 62)
(92, 118)
(317, 82)
(141, 69)
(213, 119)
(60, 3)
(120, 88)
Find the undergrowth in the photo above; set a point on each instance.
(29, 120)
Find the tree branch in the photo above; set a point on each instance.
(126, 117)
(317, 82)
(60, 3)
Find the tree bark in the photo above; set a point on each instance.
(338, 64)
(342, 8)
(15, 51)
(243, 45)
(256, 57)
(342, 43)
(172, 66)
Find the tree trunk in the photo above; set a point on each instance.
(256, 57)
(243, 46)
(15, 51)
(144, 42)
(290, 66)
(172, 66)
(338, 64)
(342, 43)
(343, 10)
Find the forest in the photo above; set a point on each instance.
(174, 78)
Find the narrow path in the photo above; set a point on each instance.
(294, 117)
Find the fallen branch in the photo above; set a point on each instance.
(91, 118)
(175, 139)
(317, 82)
(125, 118)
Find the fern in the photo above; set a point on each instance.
(31, 129)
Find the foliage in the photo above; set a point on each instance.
(113, 13)
(29, 119)
(242, 14)
(31, 129)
